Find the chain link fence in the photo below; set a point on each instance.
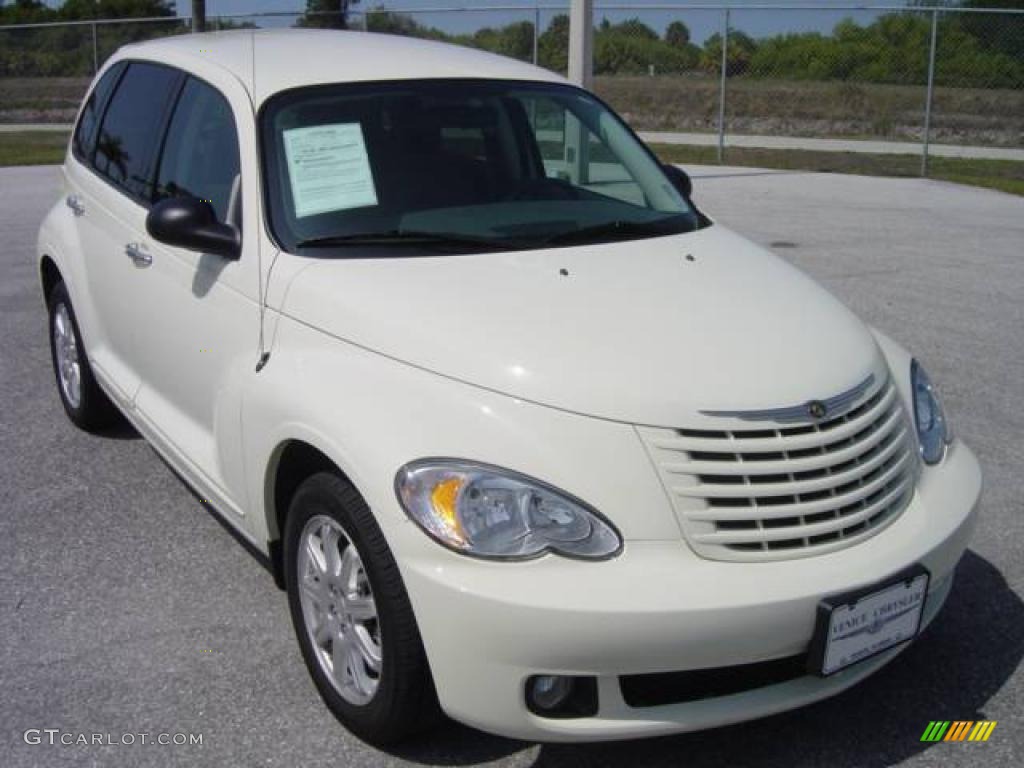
(896, 80)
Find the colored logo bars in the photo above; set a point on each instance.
(958, 730)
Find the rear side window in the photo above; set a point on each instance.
(127, 144)
(200, 157)
(85, 132)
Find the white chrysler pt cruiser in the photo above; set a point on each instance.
(527, 437)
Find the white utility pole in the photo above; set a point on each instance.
(581, 72)
(198, 15)
(581, 42)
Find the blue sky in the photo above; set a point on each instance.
(822, 17)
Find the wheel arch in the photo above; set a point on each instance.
(49, 275)
(291, 462)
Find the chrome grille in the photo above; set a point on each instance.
(781, 491)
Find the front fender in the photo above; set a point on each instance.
(371, 414)
(898, 359)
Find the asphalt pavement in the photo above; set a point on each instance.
(128, 609)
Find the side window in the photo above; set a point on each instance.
(573, 153)
(547, 119)
(200, 157)
(132, 127)
(85, 132)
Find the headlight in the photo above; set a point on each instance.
(491, 512)
(933, 433)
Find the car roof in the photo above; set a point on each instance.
(267, 61)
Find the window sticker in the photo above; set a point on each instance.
(329, 168)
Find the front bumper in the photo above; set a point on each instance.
(488, 626)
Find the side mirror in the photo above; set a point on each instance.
(680, 179)
(190, 223)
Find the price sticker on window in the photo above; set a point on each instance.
(329, 169)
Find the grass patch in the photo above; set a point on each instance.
(33, 148)
(41, 99)
(1010, 185)
(1004, 175)
(982, 116)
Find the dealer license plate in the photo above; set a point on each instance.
(859, 625)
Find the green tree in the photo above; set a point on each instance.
(35, 11)
(632, 28)
(738, 54)
(67, 50)
(624, 55)
(677, 34)
(554, 44)
(515, 40)
(892, 49)
(326, 14)
(995, 32)
(1007, 4)
(26, 12)
(73, 10)
(631, 47)
(391, 23)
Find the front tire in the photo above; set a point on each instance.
(352, 615)
(85, 403)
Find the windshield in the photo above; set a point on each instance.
(408, 167)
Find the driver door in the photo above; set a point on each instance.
(199, 337)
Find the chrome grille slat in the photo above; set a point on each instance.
(808, 508)
(820, 460)
(829, 481)
(814, 529)
(780, 489)
(780, 442)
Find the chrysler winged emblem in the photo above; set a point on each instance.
(817, 409)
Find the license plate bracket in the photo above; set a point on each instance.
(865, 622)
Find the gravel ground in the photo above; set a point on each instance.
(127, 608)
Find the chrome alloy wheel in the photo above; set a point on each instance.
(69, 368)
(338, 610)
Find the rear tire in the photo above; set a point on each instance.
(85, 403)
(352, 615)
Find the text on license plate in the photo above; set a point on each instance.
(873, 623)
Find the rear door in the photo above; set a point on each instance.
(93, 248)
(110, 190)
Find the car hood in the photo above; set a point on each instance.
(645, 331)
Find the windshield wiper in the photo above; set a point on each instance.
(403, 237)
(612, 230)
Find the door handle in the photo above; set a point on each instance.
(74, 202)
(136, 252)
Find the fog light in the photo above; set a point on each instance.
(561, 696)
(549, 691)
